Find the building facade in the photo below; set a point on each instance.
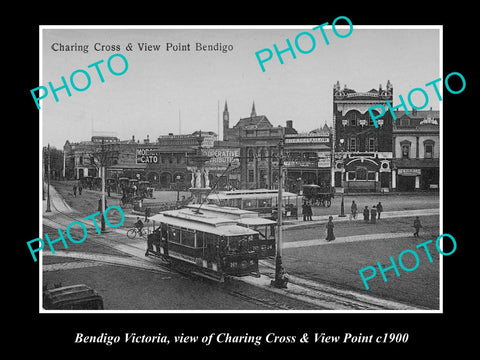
(258, 140)
(83, 159)
(308, 158)
(416, 150)
(362, 152)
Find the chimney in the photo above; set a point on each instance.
(133, 138)
(290, 124)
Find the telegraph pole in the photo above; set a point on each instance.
(48, 180)
(102, 170)
(280, 278)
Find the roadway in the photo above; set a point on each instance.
(324, 275)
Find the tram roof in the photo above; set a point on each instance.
(245, 217)
(213, 224)
(225, 210)
(249, 194)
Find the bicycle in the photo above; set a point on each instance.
(133, 232)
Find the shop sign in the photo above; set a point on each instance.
(324, 162)
(306, 140)
(147, 156)
(221, 157)
(409, 172)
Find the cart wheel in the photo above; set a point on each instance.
(328, 203)
(131, 233)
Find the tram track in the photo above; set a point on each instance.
(337, 298)
(313, 294)
(135, 259)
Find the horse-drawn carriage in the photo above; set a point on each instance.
(134, 191)
(318, 195)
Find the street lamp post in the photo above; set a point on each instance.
(280, 278)
(342, 206)
(177, 185)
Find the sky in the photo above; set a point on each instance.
(183, 91)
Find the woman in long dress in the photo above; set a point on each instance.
(330, 235)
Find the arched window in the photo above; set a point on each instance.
(262, 154)
(405, 147)
(250, 155)
(353, 117)
(429, 146)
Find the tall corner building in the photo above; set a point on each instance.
(362, 152)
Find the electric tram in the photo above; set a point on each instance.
(203, 244)
(264, 245)
(263, 201)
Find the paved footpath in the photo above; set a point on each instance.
(345, 239)
(290, 224)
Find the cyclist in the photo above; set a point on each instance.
(139, 225)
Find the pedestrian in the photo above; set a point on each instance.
(75, 190)
(108, 190)
(366, 214)
(80, 189)
(417, 225)
(304, 211)
(148, 212)
(309, 212)
(373, 214)
(353, 209)
(330, 235)
(379, 209)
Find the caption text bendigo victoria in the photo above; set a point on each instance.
(255, 340)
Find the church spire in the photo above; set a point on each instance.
(254, 113)
(226, 122)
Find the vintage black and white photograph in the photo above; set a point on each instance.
(285, 169)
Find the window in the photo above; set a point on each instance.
(173, 234)
(249, 204)
(371, 144)
(361, 173)
(262, 154)
(200, 239)
(352, 117)
(371, 175)
(352, 144)
(188, 238)
(250, 155)
(429, 145)
(404, 121)
(351, 175)
(405, 146)
(251, 177)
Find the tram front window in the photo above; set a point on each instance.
(238, 243)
